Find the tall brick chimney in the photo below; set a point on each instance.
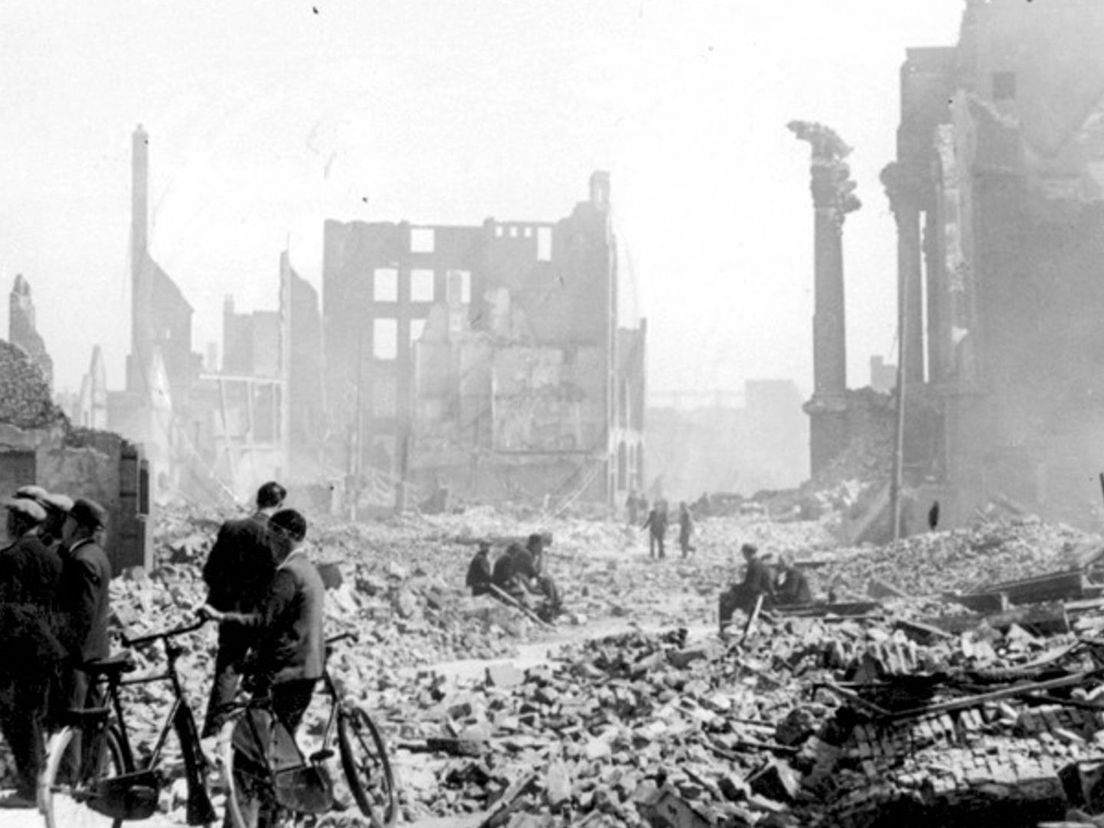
(141, 303)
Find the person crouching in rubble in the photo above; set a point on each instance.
(790, 585)
(744, 595)
(551, 604)
(479, 571)
(289, 645)
(513, 571)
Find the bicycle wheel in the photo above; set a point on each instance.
(367, 768)
(68, 804)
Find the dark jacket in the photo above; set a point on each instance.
(513, 565)
(84, 601)
(686, 526)
(241, 564)
(289, 644)
(29, 575)
(793, 588)
(479, 574)
(757, 579)
(656, 522)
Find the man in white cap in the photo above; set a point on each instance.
(29, 574)
(57, 508)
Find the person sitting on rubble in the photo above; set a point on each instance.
(514, 572)
(745, 594)
(289, 643)
(790, 585)
(544, 585)
(479, 570)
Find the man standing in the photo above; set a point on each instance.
(657, 526)
(238, 573)
(29, 575)
(83, 604)
(289, 641)
(479, 570)
(686, 528)
(57, 508)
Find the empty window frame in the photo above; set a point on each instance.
(421, 285)
(544, 244)
(422, 240)
(385, 338)
(385, 284)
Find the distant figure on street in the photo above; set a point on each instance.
(791, 585)
(479, 571)
(656, 524)
(686, 528)
(238, 573)
(933, 516)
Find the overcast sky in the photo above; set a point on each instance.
(267, 116)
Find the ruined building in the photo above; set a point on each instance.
(998, 193)
(486, 358)
(22, 331)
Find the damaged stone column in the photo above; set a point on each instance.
(904, 189)
(833, 198)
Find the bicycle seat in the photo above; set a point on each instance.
(112, 666)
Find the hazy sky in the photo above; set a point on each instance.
(267, 116)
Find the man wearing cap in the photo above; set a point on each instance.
(83, 603)
(57, 508)
(238, 572)
(28, 581)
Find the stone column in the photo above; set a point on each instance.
(833, 197)
(904, 192)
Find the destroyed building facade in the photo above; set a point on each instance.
(486, 358)
(998, 193)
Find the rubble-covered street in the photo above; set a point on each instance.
(633, 710)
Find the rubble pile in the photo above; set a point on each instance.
(963, 559)
(809, 723)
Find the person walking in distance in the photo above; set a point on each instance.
(656, 524)
(238, 572)
(686, 529)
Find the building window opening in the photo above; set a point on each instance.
(421, 285)
(422, 240)
(385, 284)
(385, 338)
(1004, 86)
(544, 244)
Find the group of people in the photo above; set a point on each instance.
(54, 609)
(787, 585)
(264, 592)
(656, 526)
(518, 572)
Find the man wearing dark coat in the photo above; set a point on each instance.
(238, 573)
(29, 574)
(83, 604)
(656, 524)
(792, 587)
(289, 647)
(479, 571)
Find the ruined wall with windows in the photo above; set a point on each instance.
(488, 357)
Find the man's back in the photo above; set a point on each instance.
(240, 566)
(84, 600)
(292, 644)
(29, 573)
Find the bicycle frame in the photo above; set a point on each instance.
(180, 719)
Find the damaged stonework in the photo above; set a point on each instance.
(487, 359)
(22, 330)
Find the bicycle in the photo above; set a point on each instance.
(109, 785)
(262, 762)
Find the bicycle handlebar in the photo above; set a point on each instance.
(163, 635)
(333, 639)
